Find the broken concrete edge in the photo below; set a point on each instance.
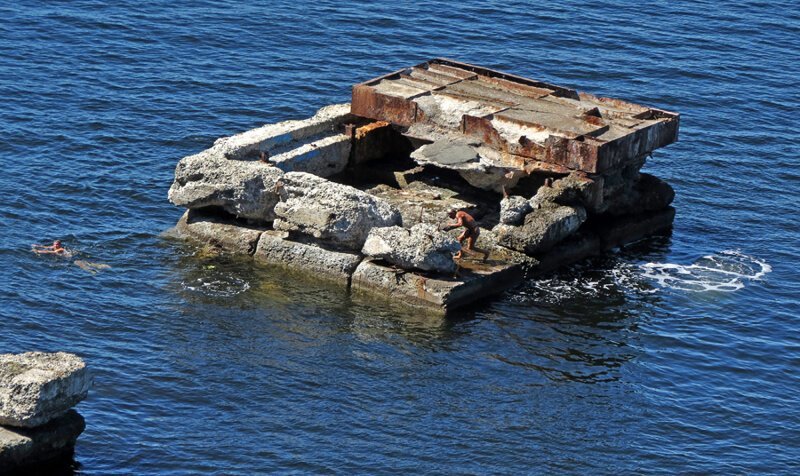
(435, 293)
(354, 271)
(27, 450)
(265, 246)
(273, 136)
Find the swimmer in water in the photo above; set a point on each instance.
(58, 249)
(55, 249)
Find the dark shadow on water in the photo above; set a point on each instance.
(63, 466)
(580, 324)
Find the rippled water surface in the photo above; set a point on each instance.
(674, 355)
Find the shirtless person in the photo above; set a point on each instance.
(55, 249)
(471, 232)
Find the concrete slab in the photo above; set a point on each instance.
(422, 203)
(436, 293)
(275, 249)
(282, 137)
(323, 156)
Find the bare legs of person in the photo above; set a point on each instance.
(470, 248)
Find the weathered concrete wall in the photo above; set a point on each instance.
(218, 231)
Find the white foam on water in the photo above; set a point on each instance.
(217, 287)
(726, 271)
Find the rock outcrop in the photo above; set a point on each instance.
(542, 229)
(513, 210)
(36, 387)
(574, 189)
(422, 247)
(327, 211)
(245, 189)
(648, 194)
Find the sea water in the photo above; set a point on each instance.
(676, 354)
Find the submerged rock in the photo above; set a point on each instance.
(245, 189)
(338, 214)
(36, 387)
(423, 247)
(513, 210)
(542, 229)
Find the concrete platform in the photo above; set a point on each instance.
(530, 125)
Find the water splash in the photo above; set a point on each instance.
(726, 271)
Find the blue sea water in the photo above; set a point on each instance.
(678, 354)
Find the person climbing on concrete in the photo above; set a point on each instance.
(55, 249)
(470, 234)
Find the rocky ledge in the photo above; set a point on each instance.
(357, 193)
(37, 393)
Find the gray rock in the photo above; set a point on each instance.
(34, 449)
(574, 189)
(275, 250)
(338, 214)
(218, 232)
(36, 387)
(245, 189)
(649, 194)
(513, 210)
(542, 229)
(422, 247)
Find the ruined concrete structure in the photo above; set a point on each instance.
(356, 193)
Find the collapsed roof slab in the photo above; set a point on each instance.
(520, 123)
